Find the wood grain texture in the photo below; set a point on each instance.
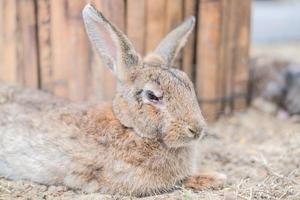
(155, 23)
(136, 24)
(44, 41)
(188, 65)
(60, 48)
(64, 49)
(174, 14)
(227, 53)
(234, 54)
(79, 84)
(208, 52)
(240, 84)
(2, 71)
(27, 55)
(8, 66)
(173, 17)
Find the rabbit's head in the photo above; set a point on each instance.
(157, 101)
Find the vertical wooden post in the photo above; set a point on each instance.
(44, 41)
(173, 17)
(235, 45)
(228, 52)
(2, 71)
(208, 46)
(18, 61)
(155, 23)
(173, 14)
(136, 24)
(241, 78)
(27, 55)
(190, 8)
(60, 46)
(8, 62)
(79, 84)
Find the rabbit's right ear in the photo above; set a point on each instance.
(113, 46)
(171, 45)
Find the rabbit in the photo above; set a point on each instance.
(285, 89)
(278, 82)
(292, 92)
(143, 143)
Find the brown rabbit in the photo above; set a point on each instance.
(277, 81)
(144, 143)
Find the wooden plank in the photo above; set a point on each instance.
(64, 55)
(135, 23)
(190, 7)
(114, 11)
(155, 23)
(1, 39)
(60, 48)
(8, 63)
(236, 46)
(27, 61)
(174, 14)
(231, 52)
(44, 40)
(79, 84)
(173, 17)
(208, 45)
(243, 15)
(104, 83)
(226, 56)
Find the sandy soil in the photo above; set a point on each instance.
(258, 152)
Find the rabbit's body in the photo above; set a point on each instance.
(82, 146)
(143, 143)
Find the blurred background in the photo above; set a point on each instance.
(43, 45)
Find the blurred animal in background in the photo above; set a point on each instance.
(145, 142)
(277, 82)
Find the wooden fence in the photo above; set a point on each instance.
(43, 45)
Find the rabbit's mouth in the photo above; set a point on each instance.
(180, 134)
(176, 140)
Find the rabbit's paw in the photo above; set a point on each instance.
(202, 181)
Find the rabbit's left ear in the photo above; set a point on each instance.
(114, 48)
(170, 46)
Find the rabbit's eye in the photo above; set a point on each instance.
(152, 97)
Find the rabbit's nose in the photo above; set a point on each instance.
(194, 132)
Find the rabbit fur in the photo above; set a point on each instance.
(142, 143)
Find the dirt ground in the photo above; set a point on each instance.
(259, 153)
